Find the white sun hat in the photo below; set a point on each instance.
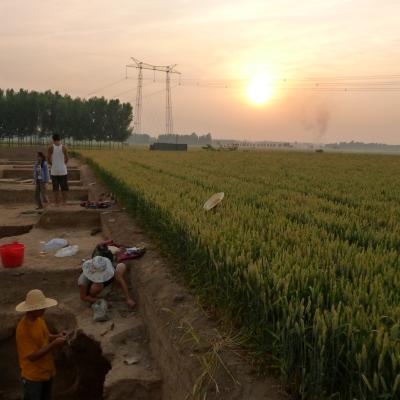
(213, 201)
(35, 300)
(98, 270)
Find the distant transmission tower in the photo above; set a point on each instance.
(168, 69)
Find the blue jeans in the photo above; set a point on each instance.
(36, 390)
(40, 193)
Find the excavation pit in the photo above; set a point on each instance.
(26, 173)
(19, 181)
(25, 193)
(95, 364)
(13, 286)
(78, 226)
(81, 366)
(10, 231)
(82, 369)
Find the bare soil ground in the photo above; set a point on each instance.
(176, 351)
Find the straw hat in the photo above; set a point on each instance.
(213, 201)
(35, 300)
(98, 270)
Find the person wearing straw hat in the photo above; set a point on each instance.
(97, 273)
(35, 345)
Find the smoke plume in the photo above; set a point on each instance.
(316, 121)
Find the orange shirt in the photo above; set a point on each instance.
(31, 336)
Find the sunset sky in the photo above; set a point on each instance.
(78, 46)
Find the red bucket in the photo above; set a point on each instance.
(12, 254)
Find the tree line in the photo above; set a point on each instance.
(29, 113)
(192, 139)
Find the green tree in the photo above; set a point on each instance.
(25, 113)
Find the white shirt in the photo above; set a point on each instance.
(58, 166)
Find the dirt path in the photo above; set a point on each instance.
(175, 350)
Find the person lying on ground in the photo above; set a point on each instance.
(40, 179)
(35, 345)
(97, 273)
(57, 156)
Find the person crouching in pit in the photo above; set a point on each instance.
(97, 273)
(35, 346)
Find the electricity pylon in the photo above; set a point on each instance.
(168, 69)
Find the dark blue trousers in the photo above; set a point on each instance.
(36, 390)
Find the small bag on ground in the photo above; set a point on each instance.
(100, 311)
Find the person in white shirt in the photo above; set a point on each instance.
(57, 157)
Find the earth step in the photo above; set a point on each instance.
(74, 174)
(16, 162)
(29, 181)
(123, 386)
(77, 218)
(10, 193)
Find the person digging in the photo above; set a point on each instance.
(97, 273)
(35, 345)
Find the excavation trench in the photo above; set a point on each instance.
(160, 351)
(26, 173)
(20, 181)
(81, 367)
(7, 231)
(95, 364)
(108, 359)
(24, 193)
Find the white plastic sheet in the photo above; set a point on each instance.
(67, 251)
(54, 244)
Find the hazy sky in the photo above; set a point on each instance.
(78, 46)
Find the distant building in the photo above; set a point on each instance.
(265, 145)
(169, 146)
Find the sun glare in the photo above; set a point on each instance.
(260, 89)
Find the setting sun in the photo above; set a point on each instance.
(260, 89)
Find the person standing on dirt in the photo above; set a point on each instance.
(40, 179)
(35, 345)
(58, 158)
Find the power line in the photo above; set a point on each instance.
(159, 91)
(296, 84)
(350, 83)
(104, 87)
(127, 91)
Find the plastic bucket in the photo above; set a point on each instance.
(12, 254)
